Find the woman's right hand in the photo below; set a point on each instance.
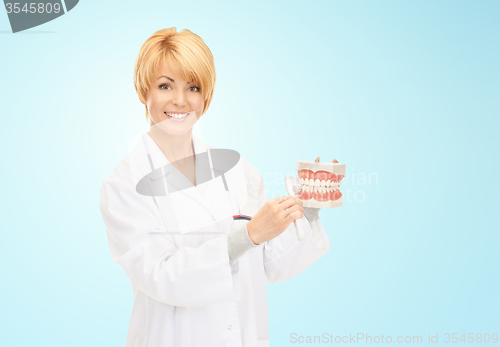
(274, 218)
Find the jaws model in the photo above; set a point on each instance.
(317, 186)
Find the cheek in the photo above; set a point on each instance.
(157, 98)
(155, 101)
(196, 100)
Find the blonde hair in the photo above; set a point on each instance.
(184, 52)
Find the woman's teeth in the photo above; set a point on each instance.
(177, 115)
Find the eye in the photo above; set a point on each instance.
(197, 88)
(163, 85)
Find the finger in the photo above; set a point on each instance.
(317, 160)
(294, 215)
(299, 203)
(334, 161)
(292, 209)
(289, 202)
(279, 199)
(295, 208)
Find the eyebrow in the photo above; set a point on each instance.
(171, 79)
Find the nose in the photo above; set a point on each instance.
(179, 98)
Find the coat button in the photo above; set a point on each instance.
(229, 327)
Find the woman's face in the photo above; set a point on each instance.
(171, 94)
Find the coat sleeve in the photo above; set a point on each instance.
(138, 241)
(285, 256)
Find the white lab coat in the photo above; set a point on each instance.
(186, 293)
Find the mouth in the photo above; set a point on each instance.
(176, 115)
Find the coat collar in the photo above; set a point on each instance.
(158, 159)
(157, 165)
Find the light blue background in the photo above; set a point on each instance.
(405, 91)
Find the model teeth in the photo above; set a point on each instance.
(177, 115)
(311, 183)
(310, 189)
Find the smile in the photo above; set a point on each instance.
(177, 115)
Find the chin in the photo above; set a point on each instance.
(166, 126)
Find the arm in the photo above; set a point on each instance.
(238, 243)
(285, 256)
(139, 243)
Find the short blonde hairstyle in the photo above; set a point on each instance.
(184, 52)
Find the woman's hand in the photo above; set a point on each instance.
(274, 218)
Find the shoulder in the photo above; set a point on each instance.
(127, 171)
(118, 181)
(252, 171)
(120, 171)
(251, 174)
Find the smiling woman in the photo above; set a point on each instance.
(197, 255)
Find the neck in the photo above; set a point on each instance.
(174, 147)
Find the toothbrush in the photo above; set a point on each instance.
(293, 188)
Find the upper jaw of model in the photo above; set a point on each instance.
(320, 183)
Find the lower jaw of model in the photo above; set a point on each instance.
(320, 183)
